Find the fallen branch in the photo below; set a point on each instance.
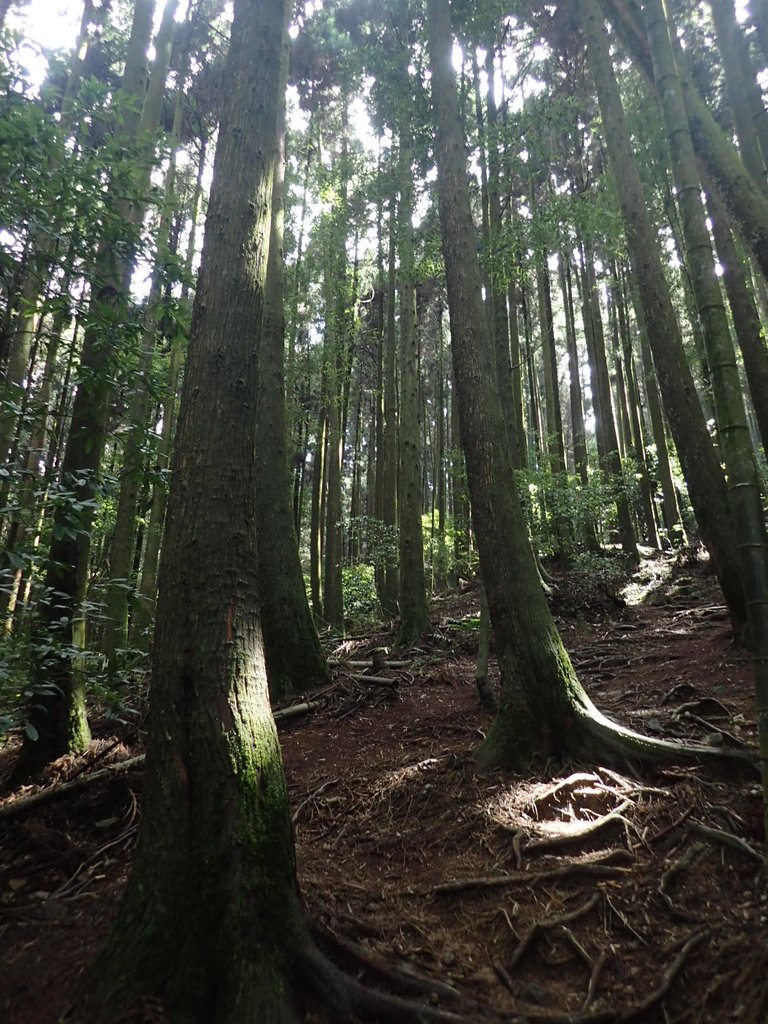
(376, 680)
(24, 803)
(297, 709)
(21, 804)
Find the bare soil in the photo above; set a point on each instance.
(578, 893)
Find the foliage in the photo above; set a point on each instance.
(361, 605)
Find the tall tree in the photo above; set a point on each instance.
(543, 709)
(57, 715)
(295, 660)
(734, 433)
(703, 475)
(215, 818)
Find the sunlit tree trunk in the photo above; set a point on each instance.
(543, 707)
(295, 661)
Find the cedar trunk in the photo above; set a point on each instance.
(211, 920)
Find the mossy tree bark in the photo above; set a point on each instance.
(703, 476)
(211, 920)
(543, 708)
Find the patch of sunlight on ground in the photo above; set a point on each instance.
(650, 576)
(560, 807)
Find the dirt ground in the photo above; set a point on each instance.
(580, 893)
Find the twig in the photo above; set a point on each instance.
(520, 878)
(578, 947)
(549, 922)
(504, 977)
(669, 828)
(690, 855)
(594, 978)
(624, 920)
(320, 789)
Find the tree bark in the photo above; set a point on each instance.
(295, 660)
(414, 613)
(215, 819)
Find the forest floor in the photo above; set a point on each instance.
(580, 893)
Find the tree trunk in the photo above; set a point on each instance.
(743, 196)
(215, 819)
(746, 319)
(58, 716)
(295, 661)
(701, 469)
(605, 426)
(543, 708)
(414, 613)
(732, 421)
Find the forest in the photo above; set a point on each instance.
(383, 552)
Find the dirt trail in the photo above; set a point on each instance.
(576, 894)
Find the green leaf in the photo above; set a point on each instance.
(31, 731)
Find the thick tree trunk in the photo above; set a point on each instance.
(211, 920)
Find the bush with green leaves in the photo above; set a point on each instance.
(361, 604)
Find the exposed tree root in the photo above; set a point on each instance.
(727, 839)
(603, 737)
(588, 867)
(551, 922)
(407, 979)
(614, 1016)
(349, 1000)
